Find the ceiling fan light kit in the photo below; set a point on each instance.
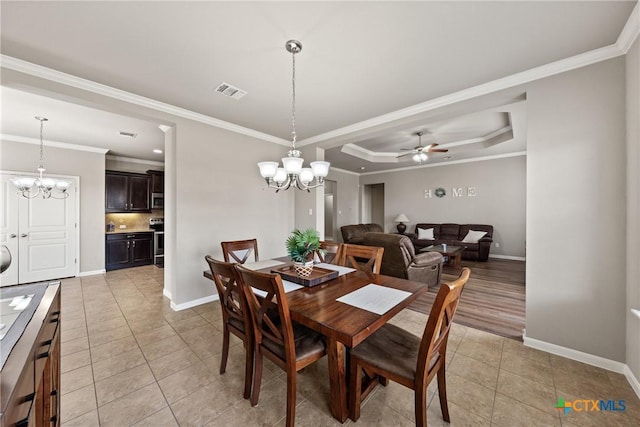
(420, 151)
(292, 174)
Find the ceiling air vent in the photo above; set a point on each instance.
(230, 91)
(129, 134)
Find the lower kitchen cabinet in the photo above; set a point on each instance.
(124, 250)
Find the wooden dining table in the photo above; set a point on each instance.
(344, 326)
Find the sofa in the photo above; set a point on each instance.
(476, 246)
(355, 233)
(400, 259)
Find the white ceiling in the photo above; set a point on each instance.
(360, 60)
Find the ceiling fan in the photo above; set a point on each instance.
(420, 151)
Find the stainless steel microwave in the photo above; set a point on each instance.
(157, 200)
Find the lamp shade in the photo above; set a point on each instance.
(401, 218)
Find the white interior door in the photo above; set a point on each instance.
(9, 228)
(45, 244)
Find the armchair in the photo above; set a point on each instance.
(400, 259)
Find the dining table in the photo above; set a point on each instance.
(327, 309)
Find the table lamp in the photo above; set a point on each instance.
(401, 219)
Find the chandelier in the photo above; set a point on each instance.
(30, 187)
(292, 174)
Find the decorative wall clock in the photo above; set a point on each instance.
(440, 192)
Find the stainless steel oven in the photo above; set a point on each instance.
(157, 225)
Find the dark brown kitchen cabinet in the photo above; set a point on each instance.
(127, 192)
(30, 376)
(124, 250)
(157, 181)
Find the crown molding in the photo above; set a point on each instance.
(630, 31)
(57, 144)
(36, 70)
(454, 162)
(537, 73)
(626, 38)
(332, 169)
(132, 160)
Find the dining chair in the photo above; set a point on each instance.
(329, 252)
(397, 355)
(240, 250)
(236, 318)
(360, 257)
(289, 345)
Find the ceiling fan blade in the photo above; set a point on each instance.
(407, 149)
(440, 150)
(402, 155)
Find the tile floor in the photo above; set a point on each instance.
(128, 359)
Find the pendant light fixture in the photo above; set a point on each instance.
(30, 187)
(292, 174)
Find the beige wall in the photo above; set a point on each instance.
(500, 187)
(633, 207)
(576, 192)
(219, 196)
(89, 167)
(347, 199)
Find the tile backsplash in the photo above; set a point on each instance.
(134, 221)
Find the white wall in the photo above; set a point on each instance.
(89, 167)
(133, 165)
(633, 207)
(576, 192)
(347, 200)
(500, 187)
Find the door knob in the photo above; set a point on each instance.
(23, 235)
(13, 236)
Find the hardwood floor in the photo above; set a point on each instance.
(493, 299)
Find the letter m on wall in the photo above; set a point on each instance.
(457, 192)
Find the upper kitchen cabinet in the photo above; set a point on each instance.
(157, 181)
(127, 192)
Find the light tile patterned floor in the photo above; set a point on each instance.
(128, 359)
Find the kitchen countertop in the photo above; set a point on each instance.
(130, 230)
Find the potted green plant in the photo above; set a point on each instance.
(301, 246)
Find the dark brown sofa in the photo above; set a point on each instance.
(355, 233)
(453, 234)
(400, 259)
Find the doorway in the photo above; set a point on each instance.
(330, 210)
(373, 204)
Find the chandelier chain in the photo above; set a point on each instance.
(293, 102)
(41, 165)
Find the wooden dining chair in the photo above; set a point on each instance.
(329, 252)
(240, 250)
(397, 355)
(360, 257)
(236, 317)
(289, 345)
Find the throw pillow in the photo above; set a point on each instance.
(426, 234)
(473, 236)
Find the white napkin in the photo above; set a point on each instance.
(375, 298)
(341, 270)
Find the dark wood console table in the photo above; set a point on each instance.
(30, 376)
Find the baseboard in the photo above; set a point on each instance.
(91, 273)
(513, 258)
(589, 359)
(166, 293)
(193, 303)
(635, 383)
